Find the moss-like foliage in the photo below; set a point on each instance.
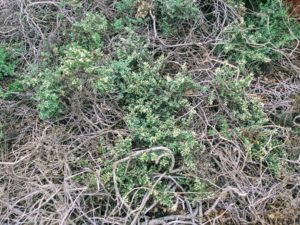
(260, 37)
(151, 101)
(7, 65)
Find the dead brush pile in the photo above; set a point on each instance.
(149, 112)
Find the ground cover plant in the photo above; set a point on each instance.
(149, 112)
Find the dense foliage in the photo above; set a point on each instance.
(7, 66)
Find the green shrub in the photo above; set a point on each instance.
(232, 87)
(48, 94)
(133, 14)
(250, 121)
(76, 59)
(89, 32)
(151, 101)
(127, 6)
(261, 37)
(7, 66)
(175, 16)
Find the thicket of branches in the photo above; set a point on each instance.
(149, 112)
